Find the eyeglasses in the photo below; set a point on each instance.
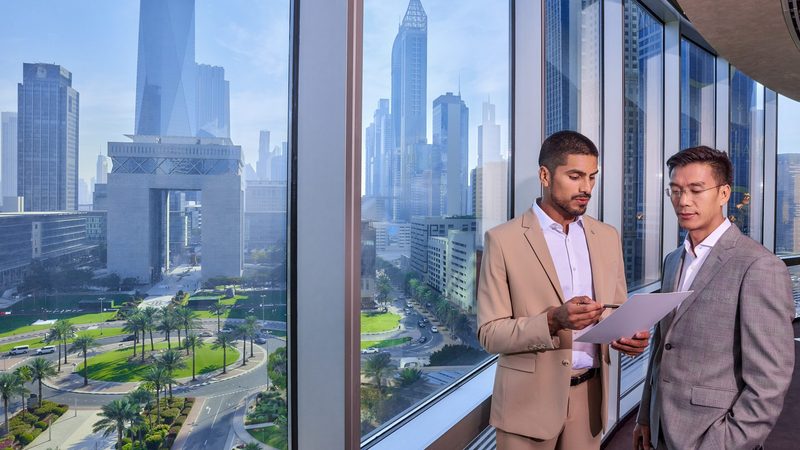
(674, 193)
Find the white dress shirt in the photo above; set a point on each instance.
(571, 258)
(693, 259)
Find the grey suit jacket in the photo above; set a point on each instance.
(721, 364)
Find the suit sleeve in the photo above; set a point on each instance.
(766, 309)
(643, 417)
(498, 330)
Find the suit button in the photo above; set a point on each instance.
(668, 346)
(564, 363)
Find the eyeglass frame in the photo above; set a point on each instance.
(692, 194)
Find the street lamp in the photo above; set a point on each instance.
(101, 311)
(267, 346)
(263, 297)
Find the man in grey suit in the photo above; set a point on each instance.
(721, 363)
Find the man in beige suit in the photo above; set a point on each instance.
(544, 276)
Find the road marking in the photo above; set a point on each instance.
(215, 415)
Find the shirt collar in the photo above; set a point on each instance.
(546, 221)
(709, 242)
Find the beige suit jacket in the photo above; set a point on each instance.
(518, 283)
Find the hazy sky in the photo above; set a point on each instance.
(97, 41)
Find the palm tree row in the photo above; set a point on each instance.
(166, 320)
(13, 383)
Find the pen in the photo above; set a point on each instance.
(611, 306)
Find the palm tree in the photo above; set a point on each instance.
(225, 342)
(151, 317)
(142, 323)
(241, 333)
(10, 385)
(171, 360)
(82, 343)
(188, 319)
(194, 341)
(167, 323)
(61, 331)
(25, 375)
(217, 309)
(54, 335)
(250, 324)
(133, 325)
(140, 397)
(114, 416)
(41, 369)
(157, 377)
(378, 367)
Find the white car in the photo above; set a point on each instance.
(434, 330)
(46, 349)
(370, 350)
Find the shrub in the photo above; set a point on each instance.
(170, 414)
(174, 430)
(186, 411)
(127, 440)
(127, 447)
(162, 429)
(153, 441)
(25, 438)
(41, 424)
(180, 420)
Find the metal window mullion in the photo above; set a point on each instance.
(672, 127)
(613, 150)
(770, 165)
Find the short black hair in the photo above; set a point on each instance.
(718, 160)
(560, 144)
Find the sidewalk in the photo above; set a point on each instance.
(74, 430)
(239, 427)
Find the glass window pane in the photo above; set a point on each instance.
(572, 70)
(435, 176)
(746, 153)
(644, 84)
(697, 100)
(787, 204)
(149, 157)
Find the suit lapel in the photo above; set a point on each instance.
(672, 269)
(535, 237)
(595, 256)
(716, 260)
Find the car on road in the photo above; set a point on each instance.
(434, 330)
(46, 349)
(422, 339)
(205, 333)
(130, 337)
(424, 320)
(369, 351)
(261, 340)
(19, 350)
(225, 330)
(421, 324)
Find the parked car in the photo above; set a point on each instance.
(129, 337)
(424, 320)
(261, 340)
(421, 324)
(225, 330)
(205, 333)
(434, 330)
(422, 339)
(368, 351)
(46, 349)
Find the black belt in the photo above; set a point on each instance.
(588, 375)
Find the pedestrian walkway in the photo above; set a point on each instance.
(73, 430)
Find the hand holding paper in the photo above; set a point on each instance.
(640, 312)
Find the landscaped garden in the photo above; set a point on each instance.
(120, 365)
(377, 323)
(273, 435)
(385, 343)
(14, 325)
(242, 304)
(25, 426)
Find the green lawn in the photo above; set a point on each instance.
(13, 325)
(114, 365)
(379, 322)
(39, 342)
(268, 435)
(385, 343)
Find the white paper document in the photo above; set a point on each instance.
(641, 312)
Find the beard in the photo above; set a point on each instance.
(567, 207)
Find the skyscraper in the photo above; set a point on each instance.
(379, 150)
(262, 165)
(488, 136)
(409, 93)
(451, 139)
(8, 148)
(166, 77)
(102, 169)
(47, 139)
(213, 102)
